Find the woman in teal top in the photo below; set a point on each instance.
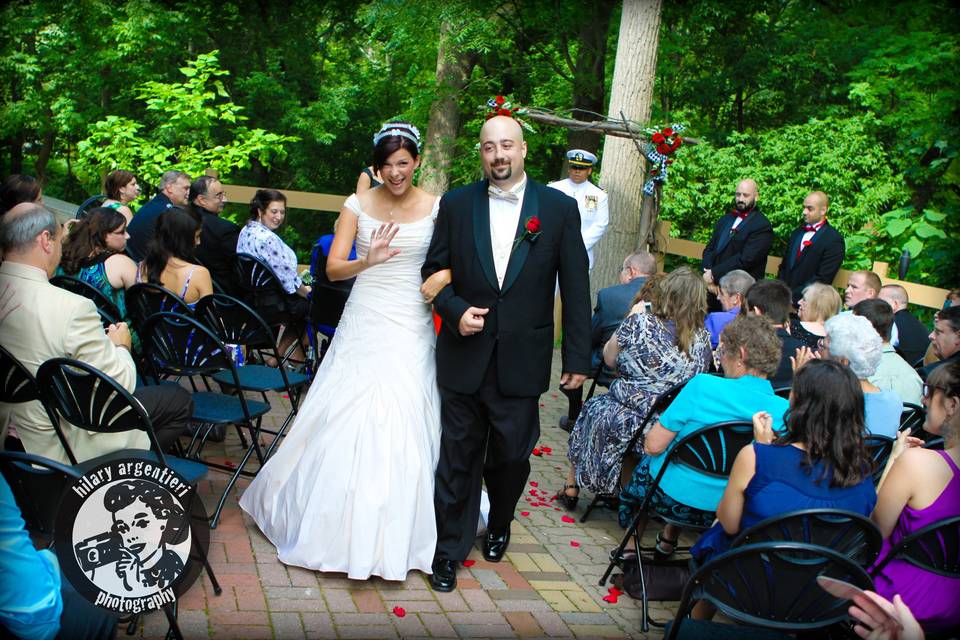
(749, 353)
(93, 252)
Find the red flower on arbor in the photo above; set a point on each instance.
(499, 100)
(658, 138)
(668, 132)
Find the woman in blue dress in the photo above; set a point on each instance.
(93, 252)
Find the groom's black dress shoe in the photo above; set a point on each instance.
(444, 576)
(495, 545)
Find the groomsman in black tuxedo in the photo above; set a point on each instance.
(741, 239)
(507, 241)
(815, 250)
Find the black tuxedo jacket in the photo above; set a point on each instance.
(817, 263)
(518, 329)
(218, 251)
(747, 247)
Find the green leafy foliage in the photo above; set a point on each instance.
(191, 126)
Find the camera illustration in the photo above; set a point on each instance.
(99, 550)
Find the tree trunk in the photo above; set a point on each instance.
(623, 169)
(453, 71)
(43, 157)
(588, 75)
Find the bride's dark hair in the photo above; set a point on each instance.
(387, 145)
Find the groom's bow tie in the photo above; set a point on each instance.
(498, 193)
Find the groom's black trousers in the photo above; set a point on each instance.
(489, 435)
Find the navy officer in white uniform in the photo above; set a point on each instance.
(591, 199)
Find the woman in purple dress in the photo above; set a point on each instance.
(920, 487)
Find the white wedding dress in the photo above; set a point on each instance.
(351, 487)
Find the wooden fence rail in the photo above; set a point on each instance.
(919, 294)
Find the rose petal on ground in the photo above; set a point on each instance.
(536, 452)
(574, 544)
(534, 484)
(612, 599)
(525, 513)
(399, 612)
(568, 519)
(553, 395)
(542, 405)
(614, 591)
(469, 563)
(546, 449)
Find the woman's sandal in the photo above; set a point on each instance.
(569, 502)
(658, 552)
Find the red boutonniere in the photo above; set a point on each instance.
(531, 231)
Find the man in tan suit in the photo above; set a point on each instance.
(48, 322)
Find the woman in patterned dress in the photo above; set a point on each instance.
(651, 352)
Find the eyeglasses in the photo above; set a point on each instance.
(929, 389)
(219, 196)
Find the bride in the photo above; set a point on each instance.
(351, 488)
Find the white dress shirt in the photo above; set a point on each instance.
(594, 212)
(504, 218)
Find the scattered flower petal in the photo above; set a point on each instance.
(399, 612)
(533, 492)
(612, 599)
(536, 451)
(614, 591)
(525, 513)
(574, 544)
(546, 449)
(469, 563)
(568, 519)
(542, 405)
(553, 395)
(534, 484)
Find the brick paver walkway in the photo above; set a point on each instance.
(545, 587)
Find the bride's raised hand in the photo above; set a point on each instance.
(380, 240)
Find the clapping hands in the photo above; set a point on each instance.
(802, 357)
(763, 427)
(380, 240)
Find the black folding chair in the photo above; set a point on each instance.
(270, 300)
(91, 400)
(851, 534)
(912, 418)
(109, 313)
(773, 585)
(783, 392)
(177, 345)
(710, 451)
(17, 385)
(612, 500)
(90, 203)
(37, 484)
(934, 548)
(236, 323)
(879, 448)
(145, 299)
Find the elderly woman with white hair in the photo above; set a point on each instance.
(851, 340)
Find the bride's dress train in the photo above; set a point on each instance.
(351, 487)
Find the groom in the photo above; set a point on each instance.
(507, 240)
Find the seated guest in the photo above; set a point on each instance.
(121, 188)
(771, 299)
(259, 238)
(893, 372)
(921, 487)
(368, 179)
(647, 298)
(944, 339)
(50, 322)
(819, 303)
(171, 261)
(851, 340)
(17, 189)
(749, 354)
(174, 191)
(218, 236)
(820, 461)
(733, 287)
(36, 601)
(913, 337)
(613, 304)
(93, 252)
(652, 352)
